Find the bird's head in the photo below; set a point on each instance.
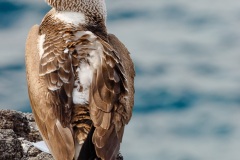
(91, 8)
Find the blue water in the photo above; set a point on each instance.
(187, 62)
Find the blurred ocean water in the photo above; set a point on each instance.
(187, 59)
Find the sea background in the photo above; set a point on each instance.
(187, 61)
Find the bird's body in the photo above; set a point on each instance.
(80, 81)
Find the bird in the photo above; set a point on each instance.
(80, 81)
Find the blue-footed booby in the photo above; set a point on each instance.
(80, 81)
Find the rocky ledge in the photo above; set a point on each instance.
(17, 132)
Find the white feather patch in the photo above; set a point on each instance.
(41, 40)
(80, 97)
(85, 74)
(74, 18)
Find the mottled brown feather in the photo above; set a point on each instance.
(56, 61)
(110, 113)
(130, 73)
(53, 133)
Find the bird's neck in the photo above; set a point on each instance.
(71, 17)
(93, 23)
(55, 20)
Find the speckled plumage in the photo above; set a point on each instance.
(95, 10)
(80, 82)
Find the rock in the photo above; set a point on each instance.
(42, 156)
(17, 131)
(10, 146)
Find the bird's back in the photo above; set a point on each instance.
(85, 87)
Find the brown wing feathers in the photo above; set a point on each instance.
(107, 109)
(57, 67)
(42, 104)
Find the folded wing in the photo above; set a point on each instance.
(111, 98)
(44, 102)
